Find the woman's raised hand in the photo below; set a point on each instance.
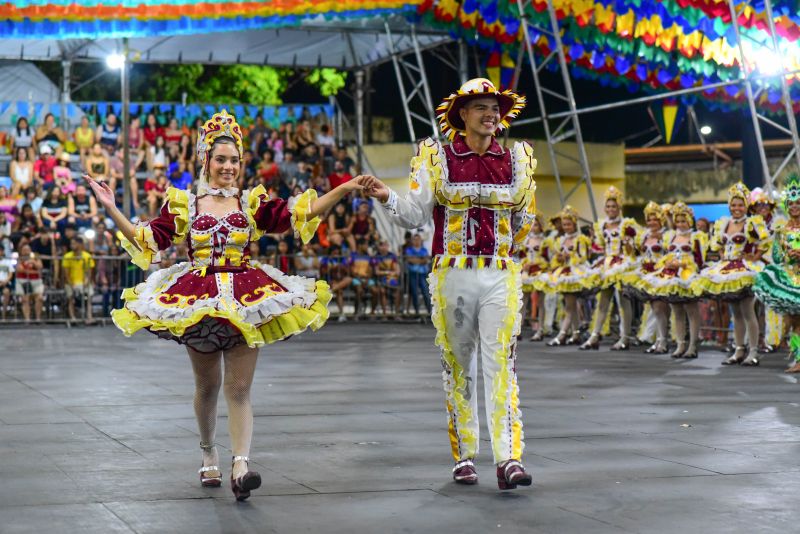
(104, 194)
(374, 187)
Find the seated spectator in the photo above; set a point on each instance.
(306, 262)
(361, 271)
(54, 209)
(23, 136)
(249, 167)
(8, 204)
(339, 176)
(108, 133)
(275, 143)
(387, 274)
(78, 272)
(64, 239)
(268, 172)
(43, 168)
(99, 167)
(310, 156)
(155, 187)
(186, 153)
(21, 172)
(257, 133)
(44, 246)
(320, 184)
(304, 136)
(30, 197)
(362, 225)
(6, 278)
(288, 135)
(173, 133)
(81, 207)
(28, 222)
(335, 269)
(29, 284)
(417, 260)
(152, 130)
(84, 140)
(157, 154)
(360, 198)
(6, 242)
(136, 143)
(347, 162)
(50, 134)
(62, 175)
(303, 177)
(340, 223)
(326, 141)
(281, 258)
(179, 176)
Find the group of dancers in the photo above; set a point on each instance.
(669, 266)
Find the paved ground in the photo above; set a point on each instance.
(97, 435)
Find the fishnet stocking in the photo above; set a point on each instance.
(680, 323)
(240, 366)
(207, 369)
(661, 312)
(603, 306)
(693, 313)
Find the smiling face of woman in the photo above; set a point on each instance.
(223, 165)
(681, 223)
(612, 209)
(568, 225)
(653, 223)
(737, 208)
(793, 209)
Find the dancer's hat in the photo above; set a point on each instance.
(450, 122)
(221, 124)
(739, 190)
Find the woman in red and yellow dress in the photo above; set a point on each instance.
(673, 278)
(535, 270)
(220, 304)
(570, 275)
(649, 248)
(740, 241)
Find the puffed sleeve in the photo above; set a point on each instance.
(523, 165)
(778, 244)
(158, 234)
(759, 233)
(699, 248)
(582, 246)
(599, 238)
(415, 209)
(715, 244)
(275, 216)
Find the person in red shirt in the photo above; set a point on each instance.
(152, 130)
(339, 175)
(481, 198)
(155, 187)
(43, 168)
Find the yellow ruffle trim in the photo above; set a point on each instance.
(505, 383)
(144, 249)
(302, 207)
(462, 408)
(294, 321)
(704, 286)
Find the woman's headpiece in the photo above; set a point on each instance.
(739, 190)
(679, 209)
(450, 122)
(791, 191)
(612, 193)
(568, 212)
(653, 209)
(221, 124)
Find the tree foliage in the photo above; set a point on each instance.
(328, 81)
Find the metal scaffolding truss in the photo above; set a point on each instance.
(412, 82)
(567, 125)
(755, 86)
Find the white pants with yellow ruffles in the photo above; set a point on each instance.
(478, 312)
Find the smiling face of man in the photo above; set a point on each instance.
(481, 116)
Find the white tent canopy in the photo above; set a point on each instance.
(24, 82)
(341, 45)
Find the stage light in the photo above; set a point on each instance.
(115, 61)
(705, 130)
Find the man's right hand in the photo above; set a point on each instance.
(374, 187)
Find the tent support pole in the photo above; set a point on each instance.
(126, 147)
(66, 81)
(360, 120)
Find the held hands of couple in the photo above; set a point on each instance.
(373, 187)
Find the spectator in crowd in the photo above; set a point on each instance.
(289, 138)
(62, 175)
(43, 168)
(362, 226)
(361, 270)
(281, 258)
(340, 223)
(84, 140)
(98, 166)
(8, 204)
(30, 197)
(152, 130)
(275, 143)
(44, 247)
(288, 171)
(136, 143)
(339, 176)
(186, 153)
(64, 239)
(346, 161)
(387, 274)
(5, 234)
(417, 260)
(29, 285)
(28, 222)
(49, 133)
(54, 209)
(21, 171)
(268, 171)
(173, 133)
(157, 154)
(81, 208)
(304, 136)
(320, 184)
(77, 267)
(23, 137)
(703, 225)
(108, 133)
(303, 177)
(6, 278)
(116, 168)
(360, 198)
(258, 132)
(155, 188)
(326, 142)
(179, 175)
(306, 262)
(335, 269)
(310, 156)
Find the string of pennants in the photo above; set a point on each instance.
(181, 112)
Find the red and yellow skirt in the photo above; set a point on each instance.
(217, 308)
